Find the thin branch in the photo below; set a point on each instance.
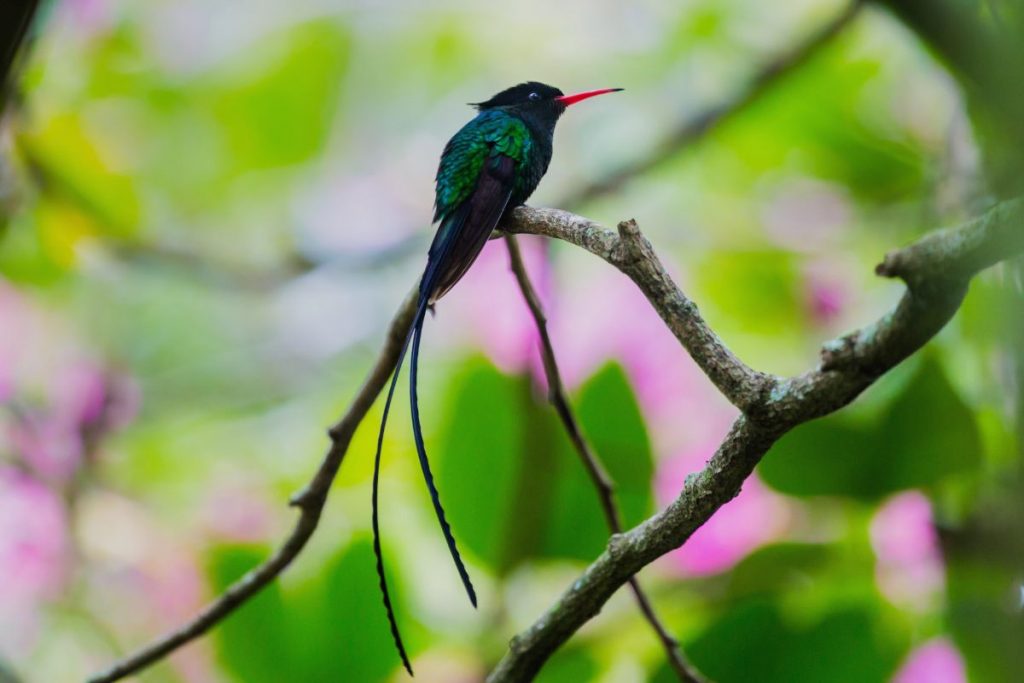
(936, 269)
(693, 129)
(602, 482)
(310, 502)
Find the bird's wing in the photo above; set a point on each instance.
(463, 235)
(475, 181)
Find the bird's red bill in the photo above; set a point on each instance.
(580, 96)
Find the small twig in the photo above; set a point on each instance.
(603, 483)
(691, 130)
(310, 502)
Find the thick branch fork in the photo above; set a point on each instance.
(936, 269)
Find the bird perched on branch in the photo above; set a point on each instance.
(489, 167)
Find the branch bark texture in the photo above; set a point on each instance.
(603, 484)
(936, 270)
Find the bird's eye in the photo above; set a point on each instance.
(534, 96)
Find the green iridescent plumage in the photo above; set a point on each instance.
(491, 133)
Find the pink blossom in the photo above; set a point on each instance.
(84, 403)
(239, 512)
(909, 570)
(487, 309)
(174, 583)
(825, 300)
(90, 17)
(607, 317)
(754, 518)
(80, 393)
(593, 318)
(94, 397)
(33, 551)
(807, 215)
(937, 661)
(49, 445)
(827, 294)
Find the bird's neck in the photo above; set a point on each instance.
(542, 127)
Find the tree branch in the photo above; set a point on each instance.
(602, 482)
(630, 252)
(693, 129)
(936, 270)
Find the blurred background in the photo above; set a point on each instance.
(210, 210)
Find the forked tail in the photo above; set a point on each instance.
(414, 336)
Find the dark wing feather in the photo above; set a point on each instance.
(463, 235)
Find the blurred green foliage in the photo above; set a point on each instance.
(310, 631)
(227, 202)
(512, 481)
(925, 435)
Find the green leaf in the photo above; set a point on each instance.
(329, 627)
(254, 642)
(758, 291)
(355, 636)
(755, 641)
(814, 120)
(479, 459)
(24, 257)
(778, 567)
(282, 114)
(612, 422)
(513, 485)
(985, 586)
(568, 664)
(832, 456)
(79, 178)
(925, 435)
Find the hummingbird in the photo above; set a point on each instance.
(492, 165)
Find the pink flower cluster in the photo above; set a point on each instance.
(33, 554)
(937, 661)
(56, 404)
(909, 570)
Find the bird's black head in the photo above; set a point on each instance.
(537, 101)
(532, 95)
